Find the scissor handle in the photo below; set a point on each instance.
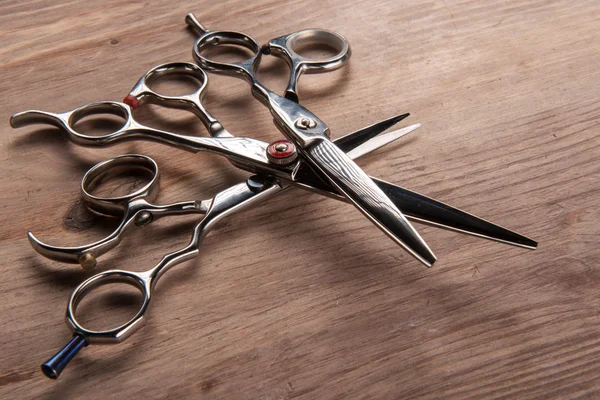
(69, 119)
(133, 206)
(84, 336)
(140, 281)
(142, 92)
(134, 209)
(245, 69)
(282, 47)
(117, 205)
(223, 204)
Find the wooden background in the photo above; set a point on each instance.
(301, 297)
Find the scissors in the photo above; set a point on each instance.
(246, 153)
(137, 209)
(277, 165)
(278, 158)
(304, 129)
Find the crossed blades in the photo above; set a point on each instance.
(415, 206)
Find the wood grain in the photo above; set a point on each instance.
(302, 297)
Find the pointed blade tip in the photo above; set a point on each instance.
(400, 117)
(430, 260)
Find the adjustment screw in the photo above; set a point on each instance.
(305, 123)
(256, 184)
(282, 152)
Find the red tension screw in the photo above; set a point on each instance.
(282, 152)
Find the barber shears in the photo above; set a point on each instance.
(307, 159)
(136, 207)
(249, 154)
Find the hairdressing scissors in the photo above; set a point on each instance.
(136, 208)
(249, 154)
(278, 158)
(416, 206)
(277, 166)
(308, 133)
(218, 207)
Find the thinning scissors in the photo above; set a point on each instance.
(136, 208)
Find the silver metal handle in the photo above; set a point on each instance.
(207, 39)
(285, 47)
(246, 151)
(223, 204)
(133, 209)
(142, 92)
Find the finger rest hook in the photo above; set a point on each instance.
(55, 365)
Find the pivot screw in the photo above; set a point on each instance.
(282, 152)
(305, 123)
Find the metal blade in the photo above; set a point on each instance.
(305, 177)
(351, 181)
(418, 207)
(355, 139)
(379, 141)
(424, 209)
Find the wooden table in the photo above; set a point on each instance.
(302, 297)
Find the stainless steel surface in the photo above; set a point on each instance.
(377, 142)
(299, 175)
(432, 212)
(216, 208)
(134, 208)
(417, 207)
(368, 132)
(306, 130)
(369, 199)
(142, 93)
(285, 47)
(308, 160)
